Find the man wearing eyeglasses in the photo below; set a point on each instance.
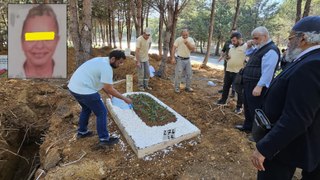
(292, 104)
(143, 45)
(258, 73)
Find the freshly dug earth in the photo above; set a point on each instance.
(49, 112)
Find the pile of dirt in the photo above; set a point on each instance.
(221, 152)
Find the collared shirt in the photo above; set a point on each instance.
(182, 49)
(306, 51)
(268, 66)
(143, 45)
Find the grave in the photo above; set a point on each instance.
(145, 140)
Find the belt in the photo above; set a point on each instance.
(184, 58)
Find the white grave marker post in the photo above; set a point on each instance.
(129, 83)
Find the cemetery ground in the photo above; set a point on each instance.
(38, 122)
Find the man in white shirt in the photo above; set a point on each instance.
(92, 76)
(184, 46)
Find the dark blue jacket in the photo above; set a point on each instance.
(292, 103)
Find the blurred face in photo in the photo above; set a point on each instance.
(39, 53)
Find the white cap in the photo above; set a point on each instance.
(147, 31)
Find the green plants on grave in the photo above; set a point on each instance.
(150, 111)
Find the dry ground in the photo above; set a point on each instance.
(45, 110)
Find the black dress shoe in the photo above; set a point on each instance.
(241, 128)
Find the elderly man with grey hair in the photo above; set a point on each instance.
(292, 104)
(258, 74)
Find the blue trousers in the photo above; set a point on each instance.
(92, 103)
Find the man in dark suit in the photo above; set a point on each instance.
(292, 104)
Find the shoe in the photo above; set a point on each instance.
(177, 90)
(148, 88)
(221, 102)
(241, 128)
(141, 88)
(238, 110)
(110, 142)
(220, 91)
(84, 135)
(188, 89)
(250, 138)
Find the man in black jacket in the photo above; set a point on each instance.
(292, 104)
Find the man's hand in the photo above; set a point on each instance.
(257, 90)
(127, 100)
(138, 64)
(109, 95)
(257, 160)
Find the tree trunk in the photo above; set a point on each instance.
(128, 24)
(147, 15)
(113, 31)
(160, 32)
(120, 26)
(205, 61)
(236, 15)
(218, 46)
(307, 8)
(136, 15)
(174, 25)
(86, 39)
(162, 70)
(102, 32)
(107, 33)
(109, 28)
(143, 12)
(74, 30)
(94, 33)
(298, 12)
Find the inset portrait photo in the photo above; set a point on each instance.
(37, 41)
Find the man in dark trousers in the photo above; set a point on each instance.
(292, 104)
(225, 56)
(258, 73)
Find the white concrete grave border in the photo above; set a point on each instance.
(144, 139)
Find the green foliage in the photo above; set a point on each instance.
(223, 19)
(195, 17)
(260, 13)
(150, 110)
